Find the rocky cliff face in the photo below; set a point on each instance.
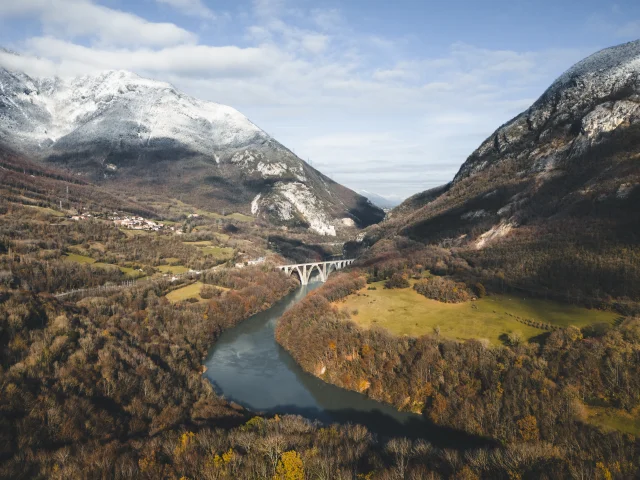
(140, 135)
(591, 99)
(573, 151)
(550, 200)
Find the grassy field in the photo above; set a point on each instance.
(131, 272)
(405, 312)
(207, 248)
(190, 291)
(74, 257)
(612, 419)
(175, 269)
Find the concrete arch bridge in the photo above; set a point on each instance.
(305, 270)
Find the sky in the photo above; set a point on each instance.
(385, 96)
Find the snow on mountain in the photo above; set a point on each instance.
(119, 127)
(566, 164)
(549, 202)
(594, 96)
(53, 108)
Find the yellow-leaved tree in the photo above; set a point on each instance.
(290, 467)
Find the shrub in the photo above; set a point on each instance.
(443, 290)
(514, 338)
(397, 281)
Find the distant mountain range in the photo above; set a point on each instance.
(380, 201)
(551, 197)
(143, 137)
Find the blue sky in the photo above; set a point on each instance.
(385, 96)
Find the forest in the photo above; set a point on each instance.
(110, 385)
(527, 393)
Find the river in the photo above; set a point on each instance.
(249, 367)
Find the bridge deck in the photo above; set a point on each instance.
(316, 263)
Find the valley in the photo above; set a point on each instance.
(487, 328)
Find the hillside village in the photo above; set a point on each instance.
(132, 222)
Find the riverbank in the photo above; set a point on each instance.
(248, 367)
(525, 392)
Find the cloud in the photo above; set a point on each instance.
(349, 140)
(394, 74)
(191, 7)
(82, 18)
(181, 60)
(328, 19)
(268, 8)
(314, 43)
(364, 110)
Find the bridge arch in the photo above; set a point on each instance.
(295, 272)
(316, 266)
(304, 271)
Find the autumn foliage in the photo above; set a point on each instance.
(527, 393)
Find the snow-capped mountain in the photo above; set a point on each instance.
(549, 201)
(576, 113)
(566, 164)
(144, 136)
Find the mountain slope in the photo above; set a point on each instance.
(550, 199)
(143, 136)
(379, 200)
(24, 182)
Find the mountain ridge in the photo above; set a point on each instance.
(380, 200)
(137, 135)
(550, 198)
(606, 76)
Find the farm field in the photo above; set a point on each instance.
(74, 257)
(207, 248)
(220, 253)
(175, 269)
(190, 291)
(405, 312)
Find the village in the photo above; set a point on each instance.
(132, 222)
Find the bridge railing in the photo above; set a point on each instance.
(328, 262)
